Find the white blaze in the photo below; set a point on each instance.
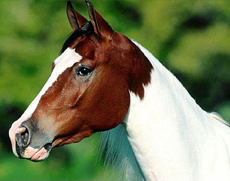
(67, 59)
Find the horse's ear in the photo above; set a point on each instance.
(101, 27)
(76, 20)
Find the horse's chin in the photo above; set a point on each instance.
(40, 155)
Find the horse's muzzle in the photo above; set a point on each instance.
(29, 142)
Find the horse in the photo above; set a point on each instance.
(152, 129)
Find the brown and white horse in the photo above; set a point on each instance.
(102, 81)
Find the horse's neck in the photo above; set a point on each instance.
(158, 124)
(169, 133)
(165, 136)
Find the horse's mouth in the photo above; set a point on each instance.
(33, 154)
(37, 155)
(42, 153)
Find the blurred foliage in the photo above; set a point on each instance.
(191, 38)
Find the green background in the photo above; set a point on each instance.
(191, 38)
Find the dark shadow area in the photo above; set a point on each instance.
(130, 13)
(198, 21)
(9, 112)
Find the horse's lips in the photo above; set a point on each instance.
(40, 155)
(43, 153)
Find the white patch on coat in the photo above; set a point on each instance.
(170, 136)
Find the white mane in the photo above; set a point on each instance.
(119, 153)
(168, 103)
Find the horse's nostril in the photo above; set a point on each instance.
(25, 137)
(22, 138)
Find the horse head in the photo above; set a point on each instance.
(88, 90)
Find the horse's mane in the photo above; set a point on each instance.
(119, 154)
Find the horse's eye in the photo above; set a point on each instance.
(83, 71)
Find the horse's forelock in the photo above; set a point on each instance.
(85, 29)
